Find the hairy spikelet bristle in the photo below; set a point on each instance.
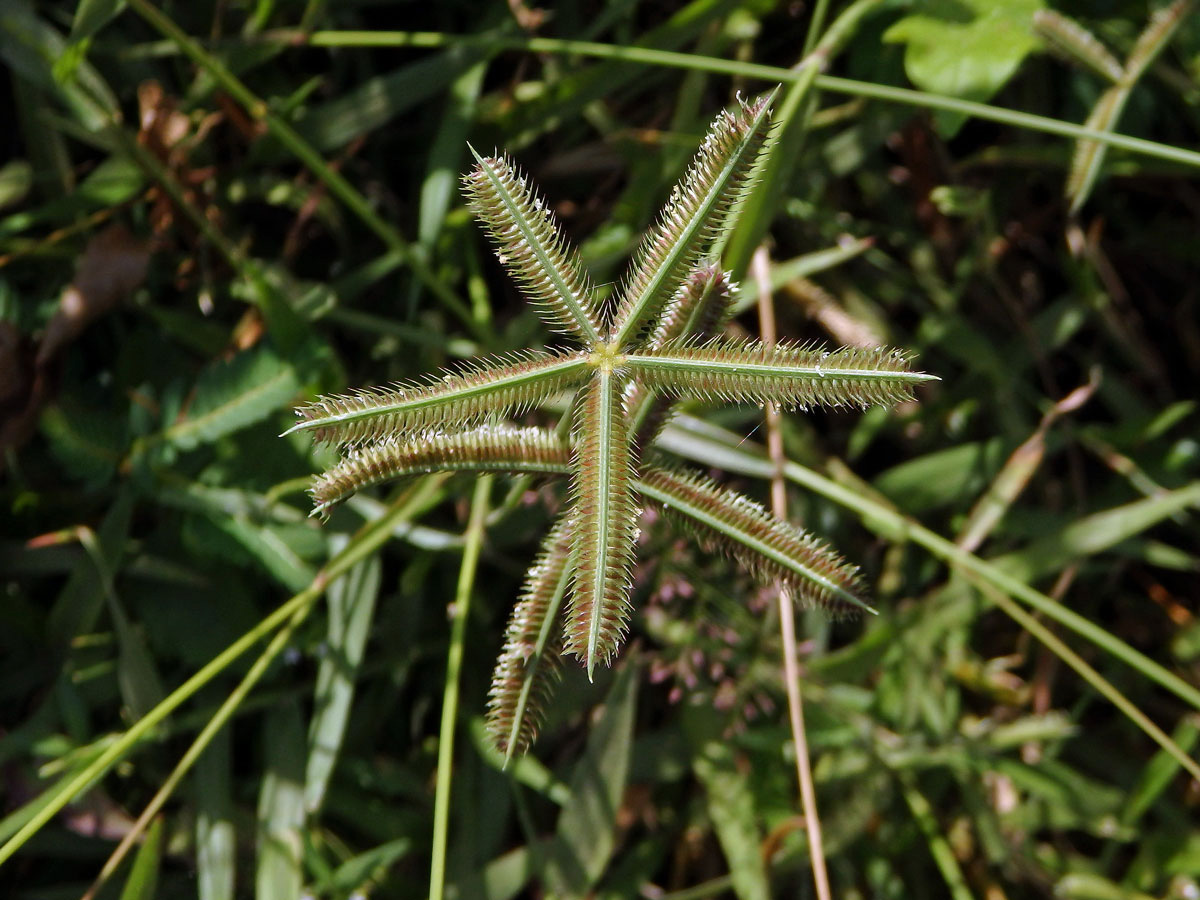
(791, 375)
(504, 384)
(1154, 37)
(1069, 39)
(698, 214)
(698, 310)
(489, 448)
(606, 527)
(530, 663)
(532, 247)
(772, 550)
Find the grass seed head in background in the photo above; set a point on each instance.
(655, 345)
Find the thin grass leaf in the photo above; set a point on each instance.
(587, 830)
(351, 608)
(490, 448)
(530, 663)
(279, 875)
(533, 248)
(1106, 114)
(774, 551)
(142, 883)
(216, 837)
(785, 373)
(509, 384)
(699, 213)
(1071, 40)
(607, 524)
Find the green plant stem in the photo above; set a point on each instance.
(211, 729)
(367, 541)
(258, 110)
(458, 629)
(673, 59)
(1102, 685)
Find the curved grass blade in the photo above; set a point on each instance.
(530, 663)
(533, 248)
(1089, 155)
(773, 550)
(510, 383)
(787, 374)
(490, 448)
(699, 213)
(606, 523)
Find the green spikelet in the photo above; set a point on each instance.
(532, 247)
(771, 549)
(509, 383)
(604, 540)
(490, 448)
(791, 375)
(698, 215)
(530, 663)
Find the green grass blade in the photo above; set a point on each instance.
(216, 836)
(769, 74)
(351, 609)
(366, 542)
(278, 873)
(587, 827)
(142, 882)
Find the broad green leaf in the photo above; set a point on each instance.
(142, 882)
(278, 875)
(234, 394)
(587, 828)
(965, 48)
(88, 442)
(942, 477)
(351, 606)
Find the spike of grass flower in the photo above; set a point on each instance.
(656, 344)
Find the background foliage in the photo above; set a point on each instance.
(205, 217)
